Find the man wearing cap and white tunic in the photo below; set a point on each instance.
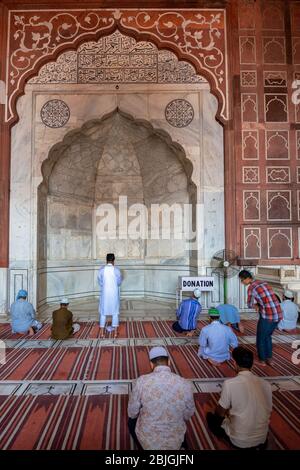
(62, 322)
(187, 314)
(159, 406)
(290, 312)
(109, 279)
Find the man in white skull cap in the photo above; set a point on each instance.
(159, 406)
(188, 314)
(290, 312)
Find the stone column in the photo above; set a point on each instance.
(4, 169)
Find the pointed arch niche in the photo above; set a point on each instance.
(114, 136)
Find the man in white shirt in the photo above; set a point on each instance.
(109, 279)
(243, 413)
(159, 406)
(290, 312)
(216, 339)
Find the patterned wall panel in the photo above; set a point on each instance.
(280, 242)
(275, 78)
(249, 107)
(296, 50)
(277, 144)
(276, 107)
(248, 49)
(251, 205)
(273, 16)
(252, 243)
(250, 145)
(246, 16)
(269, 123)
(274, 50)
(279, 205)
(248, 78)
(251, 174)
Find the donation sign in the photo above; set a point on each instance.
(202, 283)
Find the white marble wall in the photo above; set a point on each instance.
(202, 142)
(3, 291)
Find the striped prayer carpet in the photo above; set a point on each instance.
(100, 422)
(126, 363)
(128, 329)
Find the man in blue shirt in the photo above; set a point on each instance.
(187, 314)
(23, 315)
(229, 315)
(215, 340)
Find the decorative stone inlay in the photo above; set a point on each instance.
(179, 113)
(55, 113)
(118, 58)
(196, 35)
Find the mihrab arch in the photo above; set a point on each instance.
(93, 171)
(194, 80)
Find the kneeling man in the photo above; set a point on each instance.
(215, 339)
(187, 314)
(23, 315)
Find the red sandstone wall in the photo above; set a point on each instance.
(267, 131)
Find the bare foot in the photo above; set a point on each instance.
(101, 332)
(190, 333)
(116, 333)
(241, 328)
(31, 331)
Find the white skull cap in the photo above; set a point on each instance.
(288, 294)
(197, 293)
(157, 351)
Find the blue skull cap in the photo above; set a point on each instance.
(22, 293)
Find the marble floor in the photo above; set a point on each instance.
(120, 387)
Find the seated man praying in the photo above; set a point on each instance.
(290, 312)
(62, 322)
(187, 314)
(160, 405)
(23, 315)
(230, 316)
(216, 339)
(243, 413)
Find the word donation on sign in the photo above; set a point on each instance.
(201, 283)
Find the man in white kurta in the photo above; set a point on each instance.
(109, 279)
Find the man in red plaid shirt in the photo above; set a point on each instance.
(262, 297)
